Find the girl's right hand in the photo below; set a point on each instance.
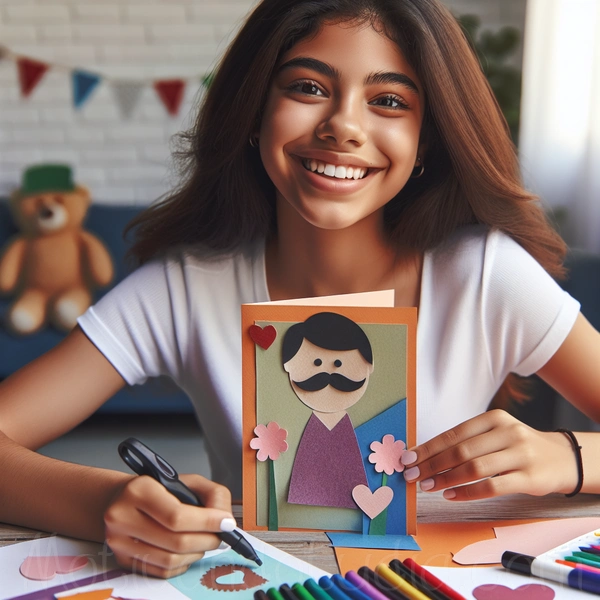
(152, 533)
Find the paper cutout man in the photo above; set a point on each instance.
(329, 360)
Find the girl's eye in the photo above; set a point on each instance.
(310, 88)
(390, 101)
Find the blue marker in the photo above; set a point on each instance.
(347, 586)
(335, 592)
(545, 568)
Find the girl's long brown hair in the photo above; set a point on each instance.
(226, 200)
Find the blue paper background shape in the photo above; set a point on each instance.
(392, 420)
(379, 542)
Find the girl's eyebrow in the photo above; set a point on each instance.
(313, 64)
(391, 77)
(328, 71)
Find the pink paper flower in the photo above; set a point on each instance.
(269, 441)
(386, 455)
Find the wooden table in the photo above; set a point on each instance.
(314, 547)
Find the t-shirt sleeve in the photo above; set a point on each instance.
(526, 315)
(134, 324)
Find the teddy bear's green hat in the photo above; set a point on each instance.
(47, 178)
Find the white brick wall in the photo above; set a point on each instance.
(123, 161)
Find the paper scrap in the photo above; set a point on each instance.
(43, 568)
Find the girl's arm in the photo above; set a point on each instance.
(501, 455)
(140, 520)
(39, 403)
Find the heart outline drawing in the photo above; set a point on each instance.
(263, 336)
(372, 503)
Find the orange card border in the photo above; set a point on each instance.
(362, 314)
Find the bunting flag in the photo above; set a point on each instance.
(30, 73)
(127, 95)
(84, 84)
(170, 91)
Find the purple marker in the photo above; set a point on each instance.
(364, 586)
(547, 568)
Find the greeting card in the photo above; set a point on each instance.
(329, 409)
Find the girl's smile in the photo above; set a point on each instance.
(340, 130)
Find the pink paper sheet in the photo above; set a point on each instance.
(529, 538)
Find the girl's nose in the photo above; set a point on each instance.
(343, 126)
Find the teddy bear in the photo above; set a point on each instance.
(53, 264)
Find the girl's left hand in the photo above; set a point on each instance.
(491, 455)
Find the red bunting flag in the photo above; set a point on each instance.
(30, 73)
(170, 92)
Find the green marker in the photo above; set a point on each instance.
(593, 558)
(302, 592)
(274, 594)
(316, 590)
(582, 561)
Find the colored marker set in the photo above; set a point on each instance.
(575, 563)
(398, 581)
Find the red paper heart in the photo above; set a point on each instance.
(42, 568)
(263, 337)
(529, 591)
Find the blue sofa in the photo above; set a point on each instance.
(160, 395)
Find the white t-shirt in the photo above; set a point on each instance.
(487, 308)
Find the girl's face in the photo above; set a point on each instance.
(340, 132)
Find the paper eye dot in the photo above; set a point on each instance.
(337, 363)
(318, 362)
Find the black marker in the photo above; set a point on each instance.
(423, 586)
(143, 461)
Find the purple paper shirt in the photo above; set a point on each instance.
(328, 465)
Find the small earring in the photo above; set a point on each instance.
(421, 170)
(253, 140)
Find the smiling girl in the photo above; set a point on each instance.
(343, 146)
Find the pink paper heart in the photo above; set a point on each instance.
(42, 568)
(529, 591)
(264, 337)
(372, 503)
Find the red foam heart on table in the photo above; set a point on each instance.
(530, 591)
(42, 568)
(264, 337)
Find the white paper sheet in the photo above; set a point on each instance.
(466, 580)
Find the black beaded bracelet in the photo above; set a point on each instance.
(577, 450)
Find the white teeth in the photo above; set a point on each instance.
(337, 171)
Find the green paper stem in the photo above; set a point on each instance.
(273, 516)
(378, 525)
